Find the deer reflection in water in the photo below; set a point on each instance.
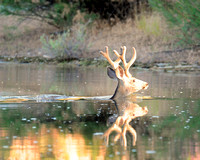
(128, 110)
(127, 85)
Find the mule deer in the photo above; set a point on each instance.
(127, 84)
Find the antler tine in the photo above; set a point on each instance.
(114, 127)
(133, 58)
(133, 132)
(115, 63)
(123, 53)
(127, 65)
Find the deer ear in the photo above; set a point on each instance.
(111, 73)
(119, 72)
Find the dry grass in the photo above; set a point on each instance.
(148, 34)
(21, 37)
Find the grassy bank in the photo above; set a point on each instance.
(154, 40)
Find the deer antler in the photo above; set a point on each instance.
(121, 131)
(122, 134)
(114, 64)
(127, 84)
(126, 128)
(122, 57)
(116, 128)
(122, 126)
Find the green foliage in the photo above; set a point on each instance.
(150, 24)
(58, 14)
(68, 45)
(91, 17)
(63, 14)
(184, 15)
(56, 46)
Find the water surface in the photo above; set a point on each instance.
(45, 128)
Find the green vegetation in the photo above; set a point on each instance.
(184, 16)
(68, 45)
(59, 15)
(150, 24)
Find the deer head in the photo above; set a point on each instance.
(127, 84)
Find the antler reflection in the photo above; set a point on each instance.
(121, 125)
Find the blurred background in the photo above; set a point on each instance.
(162, 31)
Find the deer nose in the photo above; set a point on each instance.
(146, 85)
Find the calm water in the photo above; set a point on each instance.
(166, 126)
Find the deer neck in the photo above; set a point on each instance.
(120, 91)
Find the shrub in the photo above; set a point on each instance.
(68, 44)
(184, 15)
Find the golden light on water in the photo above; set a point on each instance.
(69, 146)
(24, 149)
(59, 145)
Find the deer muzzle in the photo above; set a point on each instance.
(145, 86)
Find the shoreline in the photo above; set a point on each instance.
(97, 62)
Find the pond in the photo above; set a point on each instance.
(37, 121)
